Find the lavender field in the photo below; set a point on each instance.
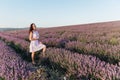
(77, 52)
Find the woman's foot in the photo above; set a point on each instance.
(33, 62)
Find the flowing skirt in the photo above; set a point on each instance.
(36, 46)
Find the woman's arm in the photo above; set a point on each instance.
(30, 37)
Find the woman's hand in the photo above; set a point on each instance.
(34, 39)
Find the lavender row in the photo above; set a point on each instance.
(24, 44)
(107, 52)
(83, 65)
(12, 66)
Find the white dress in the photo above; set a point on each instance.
(35, 45)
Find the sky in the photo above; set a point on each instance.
(53, 13)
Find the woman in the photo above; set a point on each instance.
(35, 45)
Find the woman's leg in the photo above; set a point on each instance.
(43, 51)
(32, 56)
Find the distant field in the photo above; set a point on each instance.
(10, 29)
(77, 52)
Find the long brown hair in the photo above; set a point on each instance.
(31, 27)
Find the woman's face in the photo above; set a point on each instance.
(34, 27)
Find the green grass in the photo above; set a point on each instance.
(1, 78)
(113, 41)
